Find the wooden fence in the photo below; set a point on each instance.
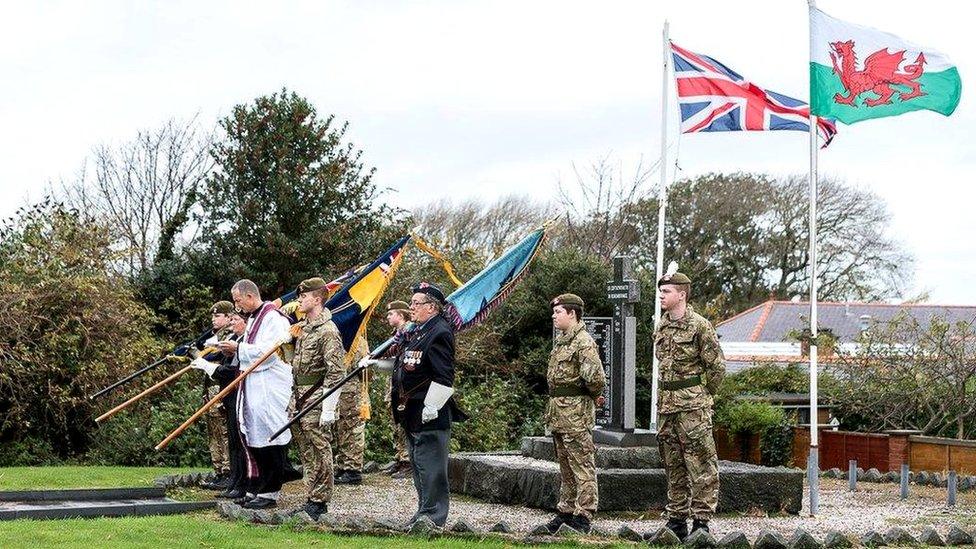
(883, 451)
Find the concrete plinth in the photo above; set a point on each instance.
(625, 439)
(516, 479)
(607, 457)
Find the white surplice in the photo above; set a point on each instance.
(262, 404)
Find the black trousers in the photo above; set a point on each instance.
(268, 469)
(235, 444)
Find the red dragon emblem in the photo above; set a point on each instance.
(879, 74)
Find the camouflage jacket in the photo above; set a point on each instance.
(318, 352)
(687, 347)
(574, 362)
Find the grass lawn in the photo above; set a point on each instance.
(201, 530)
(39, 478)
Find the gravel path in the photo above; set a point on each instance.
(872, 507)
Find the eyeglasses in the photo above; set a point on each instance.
(415, 302)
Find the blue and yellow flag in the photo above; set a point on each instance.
(487, 290)
(353, 304)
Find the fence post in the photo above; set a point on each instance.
(852, 474)
(904, 480)
(952, 484)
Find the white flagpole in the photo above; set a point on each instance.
(813, 461)
(661, 206)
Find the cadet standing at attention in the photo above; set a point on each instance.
(576, 380)
(318, 364)
(692, 367)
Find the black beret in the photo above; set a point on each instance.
(431, 290)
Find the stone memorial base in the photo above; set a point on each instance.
(629, 479)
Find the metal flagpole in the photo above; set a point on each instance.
(662, 205)
(813, 461)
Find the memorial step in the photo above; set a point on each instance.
(607, 457)
(93, 502)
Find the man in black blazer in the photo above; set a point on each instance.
(423, 403)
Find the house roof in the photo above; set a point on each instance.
(772, 321)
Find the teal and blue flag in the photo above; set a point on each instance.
(473, 301)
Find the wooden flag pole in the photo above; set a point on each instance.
(150, 390)
(224, 392)
(142, 395)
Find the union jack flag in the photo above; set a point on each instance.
(714, 98)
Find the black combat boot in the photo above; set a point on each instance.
(349, 477)
(699, 524)
(557, 521)
(580, 523)
(315, 509)
(679, 526)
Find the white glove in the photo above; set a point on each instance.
(205, 365)
(328, 415)
(437, 397)
(364, 362)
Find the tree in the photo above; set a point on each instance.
(743, 238)
(475, 227)
(290, 197)
(143, 191)
(70, 325)
(908, 374)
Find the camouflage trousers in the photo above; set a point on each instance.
(217, 433)
(577, 473)
(349, 432)
(315, 447)
(399, 434)
(688, 450)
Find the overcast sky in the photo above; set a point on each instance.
(460, 99)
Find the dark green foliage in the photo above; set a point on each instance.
(69, 326)
(290, 198)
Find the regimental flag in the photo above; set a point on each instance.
(353, 304)
(858, 73)
(487, 290)
(714, 98)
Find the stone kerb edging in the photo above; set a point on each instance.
(186, 480)
(921, 478)
(801, 539)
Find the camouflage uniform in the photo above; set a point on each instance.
(691, 366)
(217, 418)
(318, 355)
(350, 428)
(576, 373)
(399, 435)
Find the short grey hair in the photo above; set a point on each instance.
(245, 286)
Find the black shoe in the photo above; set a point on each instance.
(220, 483)
(580, 523)
(390, 467)
(260, 503)
(243, 499)
(349, 477)
(231, 493)
(404, 471)
(699, 524)
(679, 527)
(315, 509)
(557, 521)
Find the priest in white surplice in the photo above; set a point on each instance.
(262, 403)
